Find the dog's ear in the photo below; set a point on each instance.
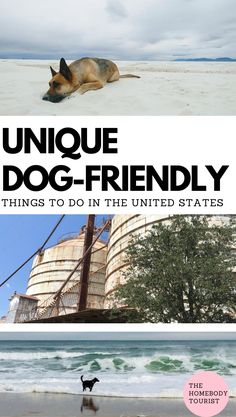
(65, 70)
(53, 71)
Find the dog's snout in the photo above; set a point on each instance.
(53, 98)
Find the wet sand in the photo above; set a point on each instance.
(63, 405)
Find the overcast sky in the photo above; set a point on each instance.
(118, 29)
(78, 335)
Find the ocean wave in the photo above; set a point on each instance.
(65, 389)
(153, 370)
(32, 356)
(84, 362)
(214, 364)
(159, 364)
(74, 388)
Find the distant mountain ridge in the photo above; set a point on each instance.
(224, 59)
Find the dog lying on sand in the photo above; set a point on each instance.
(89, 383)
(82, 75)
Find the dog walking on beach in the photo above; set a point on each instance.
(82, 75)
(89, 383)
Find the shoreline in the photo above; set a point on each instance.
(98, 396)
(67, 405)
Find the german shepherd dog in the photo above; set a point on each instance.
(83, 75)
(89, 383)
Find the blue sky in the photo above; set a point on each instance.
(20, 236)
(118, 29)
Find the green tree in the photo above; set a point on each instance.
(181, 271)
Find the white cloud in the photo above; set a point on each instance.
(121, 29)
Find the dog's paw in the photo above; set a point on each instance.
(81, 91)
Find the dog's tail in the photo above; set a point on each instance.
(129, 76)
(81, 378)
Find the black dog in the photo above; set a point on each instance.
(89, 383)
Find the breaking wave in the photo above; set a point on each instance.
(33, 356)
(125, 369)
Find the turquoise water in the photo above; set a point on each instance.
(124, 368)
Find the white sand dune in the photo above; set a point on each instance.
(165, 88)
